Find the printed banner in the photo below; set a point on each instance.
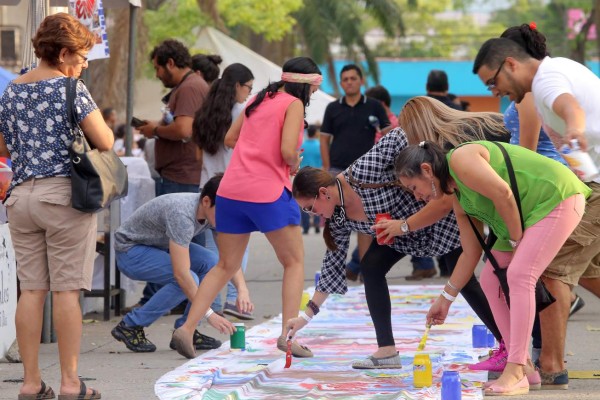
(91, 14)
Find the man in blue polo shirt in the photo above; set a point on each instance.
(348, 131)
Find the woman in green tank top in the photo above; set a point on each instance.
(552, 201)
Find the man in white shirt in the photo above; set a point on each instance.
(567, 97)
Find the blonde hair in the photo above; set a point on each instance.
(425, 118)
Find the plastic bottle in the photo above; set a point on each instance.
(580, 161)
(491, 340)
(238, 338)
(479, 333)
(451, 387)
(422, 375)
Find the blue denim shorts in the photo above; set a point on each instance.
(236, 217)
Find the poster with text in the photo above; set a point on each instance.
(8, 291)
(91, 14)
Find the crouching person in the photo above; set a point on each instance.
(155, 245)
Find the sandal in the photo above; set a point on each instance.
(378, 362)
(83, 394)
(519, 388)
(297, 349)
(45, 393)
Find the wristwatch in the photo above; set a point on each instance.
(514, 243)
(404, 227)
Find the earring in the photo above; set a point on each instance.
(433, 189)
(328, 197)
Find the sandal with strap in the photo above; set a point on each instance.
(83, 394)
(45, 393)
(297, 349)
(378, 362)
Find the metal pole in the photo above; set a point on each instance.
(133, 10)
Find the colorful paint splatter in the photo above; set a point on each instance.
(343, 331)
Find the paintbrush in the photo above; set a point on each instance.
(424, 339)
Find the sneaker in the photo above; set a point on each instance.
(495, 363)
(231, 309)
(133, 337)
(201, 342)
(554, 380)
(576, 305)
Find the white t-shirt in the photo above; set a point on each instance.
(556, 76)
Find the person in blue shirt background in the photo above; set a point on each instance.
(311, 158)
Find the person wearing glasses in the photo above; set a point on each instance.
(350, 202)
(567, 98)
(530, 229)
(255, 195)
(222, 106)
(54, 243)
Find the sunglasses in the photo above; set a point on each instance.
(491, 84)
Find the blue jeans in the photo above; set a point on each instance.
(422, 262)
(306, 217)
(232, 293)
(354, 263)
(151, 264)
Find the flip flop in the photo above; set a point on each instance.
(45, 393)
(83, 395)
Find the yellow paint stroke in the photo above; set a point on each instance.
(584, 374)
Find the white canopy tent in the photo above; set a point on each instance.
(213, 41)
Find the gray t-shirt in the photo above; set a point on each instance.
(168, 217)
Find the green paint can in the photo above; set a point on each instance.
(238, 338)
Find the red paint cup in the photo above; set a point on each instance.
(382, 217)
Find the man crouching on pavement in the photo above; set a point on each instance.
(155, 245)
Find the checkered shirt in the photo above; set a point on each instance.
(377, 166)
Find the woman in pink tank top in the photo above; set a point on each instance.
(255, 195)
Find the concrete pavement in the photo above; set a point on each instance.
(121, 374)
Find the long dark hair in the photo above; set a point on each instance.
(306, 184)
(213, 119)
(302, 65)
(532, 40)
(409, 160)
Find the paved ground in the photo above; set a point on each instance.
(121, 374)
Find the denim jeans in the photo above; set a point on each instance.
(232, 293)
(306, 218)
(422, 262)
(151, 264)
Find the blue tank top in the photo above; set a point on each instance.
(545, 146)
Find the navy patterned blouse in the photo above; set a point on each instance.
(33, 122)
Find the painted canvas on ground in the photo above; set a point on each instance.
(343, 331)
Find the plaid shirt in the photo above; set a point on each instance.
(377, 166)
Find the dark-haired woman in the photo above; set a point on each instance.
(255, 194)
(552, 202)
(350, 202)
(207, 66)
(222, 106)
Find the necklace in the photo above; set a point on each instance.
(340, 217)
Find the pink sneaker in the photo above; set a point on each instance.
(495, 363)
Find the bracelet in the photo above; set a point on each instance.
(155, 132)
(313, 306)
(448, 296)
(209, 313)
(305, 317)
(451, 286)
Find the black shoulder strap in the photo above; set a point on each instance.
(486, 248)
(70, 93)
(513, 181)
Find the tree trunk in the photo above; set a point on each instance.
(332, 74)
(107, 78)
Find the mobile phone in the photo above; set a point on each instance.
(137, 123)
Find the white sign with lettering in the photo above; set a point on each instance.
(8, 291)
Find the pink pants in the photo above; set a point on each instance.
(540, 244)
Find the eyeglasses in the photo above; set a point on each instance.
(82, 56)
(310, 211)
(248, 86)
(491, 85)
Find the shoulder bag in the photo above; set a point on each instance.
(97, 177)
